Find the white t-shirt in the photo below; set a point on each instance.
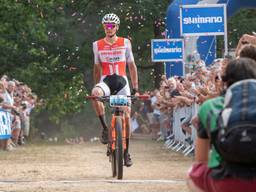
(8, 99)
(153, 101)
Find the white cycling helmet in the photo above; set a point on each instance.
(111, 18)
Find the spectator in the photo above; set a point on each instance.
(249, 51)
(245, 40)
(211, 174)
(180, 98)
(8, 106)
(16, 121)
(156, 113)
(149, 112)
(3, 141)
(15, 107)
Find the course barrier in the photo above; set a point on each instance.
(181, 140)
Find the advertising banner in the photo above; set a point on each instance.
(203, 20)
(163, 50)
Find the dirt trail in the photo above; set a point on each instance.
(76, 168)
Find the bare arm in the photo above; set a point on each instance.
(202, 145)
(202, 149)
(97, 65)
(7, 106)
(131, 65)
(134, 75)
(96, 73)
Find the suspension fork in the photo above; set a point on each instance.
(118, 113)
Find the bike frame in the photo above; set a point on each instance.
(118, 112)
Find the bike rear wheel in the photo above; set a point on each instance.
(119, 148)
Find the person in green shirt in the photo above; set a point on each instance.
(207, 172)
(208, 114)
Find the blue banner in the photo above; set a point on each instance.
(5, 125)
(199, 20)
(163, 50)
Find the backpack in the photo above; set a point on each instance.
(235, 139)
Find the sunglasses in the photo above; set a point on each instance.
(109, 26)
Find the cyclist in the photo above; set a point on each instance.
(111, 56)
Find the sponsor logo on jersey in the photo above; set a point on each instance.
(113, 59)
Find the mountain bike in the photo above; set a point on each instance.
(117, 132)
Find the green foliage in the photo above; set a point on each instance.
(48, 44)
(41, 48)
(243, 22)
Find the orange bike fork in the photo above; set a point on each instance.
(113, 132)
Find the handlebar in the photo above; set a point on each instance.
(105, 98)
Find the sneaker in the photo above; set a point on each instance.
(104, 136)
(189, 141)
(13, 144)
(160, 138)
(159, 133)
(19, 142)
(127, 160)
(9, 148)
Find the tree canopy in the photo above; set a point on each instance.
(48, 43)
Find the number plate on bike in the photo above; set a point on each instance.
(118, 101)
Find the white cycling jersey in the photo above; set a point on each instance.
(113, 57)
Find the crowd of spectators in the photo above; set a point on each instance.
(16, 103)
(190, 92)
(179, 92)
(211, 171)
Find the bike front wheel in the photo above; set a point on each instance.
(119, 148)
(113, 163)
